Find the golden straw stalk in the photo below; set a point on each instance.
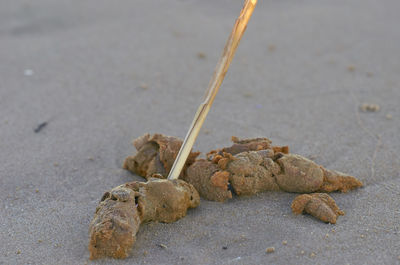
(213, 87)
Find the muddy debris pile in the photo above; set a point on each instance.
(122, 210)
(319, 205)
(245, 168)
(155, 155)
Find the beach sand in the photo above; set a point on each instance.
(80, 80)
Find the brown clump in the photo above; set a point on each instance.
(247, 167)
(164, 200)
(209, 180)
(319, 205)
(156, 155)
(115, 224)
(281, 149)
(338, 181)
(299, 174)
(122, 210)
(253, 172)
(303, 175)
(244, 145)
(262, 167)
(246, 173)
(369, 107)
(232, 168)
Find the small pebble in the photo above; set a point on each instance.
(28, 72)
(351, 68)
(201, 55)
(18, 251)
(271, 47)
(389, 116)
(162, 246)
(370, 107)
(206, 131)
(312, 255)
(40, 241)
(362, 236)
(270, 250)
(144, 86)
(90, 158)
(225, 247)
(327, 235)
(284, 242)
(40, 127)
(37, 191)
(145, 253)
(302, 252)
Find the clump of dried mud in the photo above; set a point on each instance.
(156, 155)
(262, 167)
(319, 205)
(122, 210)
(245, 168)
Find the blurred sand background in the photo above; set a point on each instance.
(101, 73)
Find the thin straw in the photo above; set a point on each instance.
(213, 87)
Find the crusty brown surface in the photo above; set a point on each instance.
(115, 224)
(209, 180)
(254, 165)
(122, 210)
(299, 174)
(338, 181)
(247, 167)
(243, 146)
(319, 205)
(252, 172)
(164, 200)
(155, 155)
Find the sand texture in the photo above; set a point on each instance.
(80, 80)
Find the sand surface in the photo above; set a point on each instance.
(102, 73)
